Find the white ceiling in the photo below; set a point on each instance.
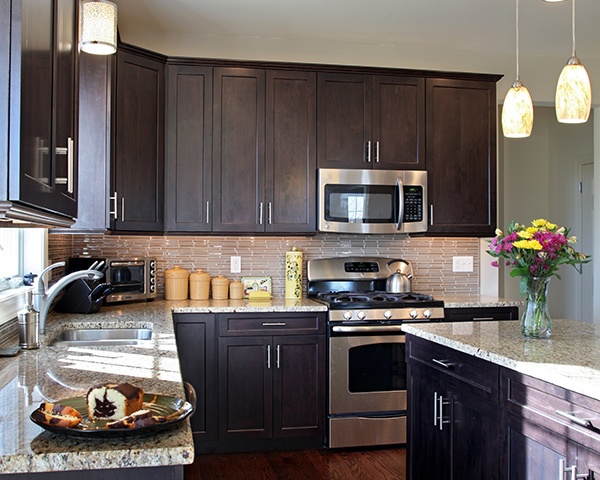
(460, 35)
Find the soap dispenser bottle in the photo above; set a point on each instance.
(29, 324)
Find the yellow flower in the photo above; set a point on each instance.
(525, 234)
(528, 244)
(540, 223)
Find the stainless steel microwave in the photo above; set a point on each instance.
(372, 201)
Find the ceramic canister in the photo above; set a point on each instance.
(236, 290)
(199, 285)
(293, 273)
(220, 288)
(176, 283)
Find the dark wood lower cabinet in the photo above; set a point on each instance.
(260, 384)
(271, 388)
(453, 430)
(196, 346)
(532, 452)
(471, 419)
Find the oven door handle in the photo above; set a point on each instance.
(366, 329)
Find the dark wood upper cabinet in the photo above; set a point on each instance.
(291, 144)
(188, 173)
(43, 58)
(461, 156)
(371, 121)
(263, 151)
(238, 150)
(138, 148)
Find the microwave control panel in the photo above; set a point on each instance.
(413, 203)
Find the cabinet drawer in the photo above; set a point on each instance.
(271, 324)
(474, 371)
(540, 402)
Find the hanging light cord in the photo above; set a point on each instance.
(573, 25)
(517, 36)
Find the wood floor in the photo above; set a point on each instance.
(375, 464)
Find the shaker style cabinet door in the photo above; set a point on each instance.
(345, 123)
(371, 121)
(461, 156)
(291, 157)
(137, 202)
(245, 388)
(196, 346)
(239, 150)
(398, 123)
(188, 173)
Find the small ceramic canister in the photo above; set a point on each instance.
(176, 283)
(199, 285)
(220, 288)
(236, 290)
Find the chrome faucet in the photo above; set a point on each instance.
(42, 299)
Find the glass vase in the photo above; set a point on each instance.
(536, 321)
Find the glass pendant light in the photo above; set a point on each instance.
(573, 91)
(98, 27)
(517, 111)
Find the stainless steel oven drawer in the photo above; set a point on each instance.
(365, 431)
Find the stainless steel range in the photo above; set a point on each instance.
(367, 367)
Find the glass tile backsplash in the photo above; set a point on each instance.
(265, 256)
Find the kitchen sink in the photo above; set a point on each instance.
(103, 336)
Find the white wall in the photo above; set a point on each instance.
(539, 177)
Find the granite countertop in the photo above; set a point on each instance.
(479, 301)
(570, 358)
(57, 372)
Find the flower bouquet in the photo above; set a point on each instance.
(535, 253)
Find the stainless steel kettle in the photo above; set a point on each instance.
(400, 280)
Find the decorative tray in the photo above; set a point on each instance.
(175, 410)
(256, 284)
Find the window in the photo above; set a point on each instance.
(9, 244)
(22, 250)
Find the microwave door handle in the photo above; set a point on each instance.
(400, 188)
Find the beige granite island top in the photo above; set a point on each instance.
(58, 372)
(570, 358)
(479, 301)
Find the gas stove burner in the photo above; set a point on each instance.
(375, 297)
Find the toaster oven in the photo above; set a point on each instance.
(131, 279)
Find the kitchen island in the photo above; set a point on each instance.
(57, 372)
(500, 405)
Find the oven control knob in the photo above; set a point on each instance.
(361, 315)
(427, 313)
(413, 314)
(387, 314)
(347, 315)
